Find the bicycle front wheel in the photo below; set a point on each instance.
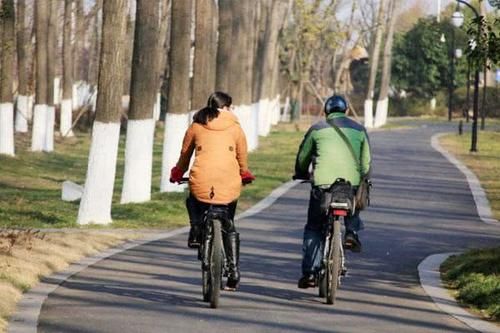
(215, 264)
(334, 264)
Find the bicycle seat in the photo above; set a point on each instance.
(218, 212)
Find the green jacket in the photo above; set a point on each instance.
(330, 156)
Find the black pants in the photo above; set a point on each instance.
(196, 209)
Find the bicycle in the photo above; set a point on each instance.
(211, 253)
(339, 202)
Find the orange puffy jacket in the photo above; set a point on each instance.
(220, 157)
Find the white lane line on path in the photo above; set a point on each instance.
(482, 203)
(430, 279)
(25, 319)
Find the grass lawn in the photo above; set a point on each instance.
(485, 163)
(474, 276)
(30, 183)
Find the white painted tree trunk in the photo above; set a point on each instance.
(175, 127)
(264, 117)
(22, 114)
(275, 107)
(138, 161)
(433, 103)
(368, 113)
(82, 94)
(93, 100)
(157, 108)
(7, 129)
(66, 118)
(243, 112)
(39, 127)
(75, 98)
(254, 119)
(49, 131)
(286, 110)
(57, 91)
(31, 101)
(125, 102)
(95, 206)
(381, 113)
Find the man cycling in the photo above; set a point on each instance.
(331, 158)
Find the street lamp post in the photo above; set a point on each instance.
(467, 99)
(475, 104)
(451, 81)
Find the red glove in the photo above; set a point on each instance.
(176, 175)
(247, 177)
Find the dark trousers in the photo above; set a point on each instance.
(312, 246)
(197, 208)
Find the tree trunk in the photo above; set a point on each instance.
(260, 26)
(270, 56)
(212, 74)
(67, 100)
(22, 113)
(141, 124)
(51, 74)
(255, 31)
(374, 60)
(203, 58)
(129, 47)
(79, 84)
(164, 36)
(79, 66)
(240, 79)
(383, 99)
(94, 51)
(177, 117)
(6, 78)
(225, 47)
(95, 206)
(344, 60)
(41, 90)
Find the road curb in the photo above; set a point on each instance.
(25, 319)
(478, 193)
(430, 280)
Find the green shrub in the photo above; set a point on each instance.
(476, 276)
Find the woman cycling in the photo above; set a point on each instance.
(219, 169)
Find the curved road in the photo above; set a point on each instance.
(421, 205)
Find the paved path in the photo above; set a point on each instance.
(421, 205)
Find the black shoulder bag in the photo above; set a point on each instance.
(363, 192)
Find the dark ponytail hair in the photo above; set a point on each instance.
(216, 101)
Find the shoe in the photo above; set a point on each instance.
(231, 242)
(352, 242)
(307, 281)
(194, 237)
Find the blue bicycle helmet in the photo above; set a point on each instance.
(335, 103)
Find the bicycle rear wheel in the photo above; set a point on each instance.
(216, 259)
(334, 266)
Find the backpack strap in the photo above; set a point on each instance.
(348, 143)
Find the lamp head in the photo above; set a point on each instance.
(457, 19)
